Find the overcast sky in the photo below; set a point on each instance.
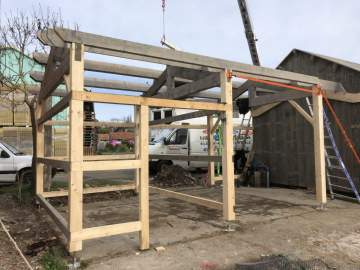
(214, 27)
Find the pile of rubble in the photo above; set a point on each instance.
(173, 176)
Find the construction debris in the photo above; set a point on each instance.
(174, 176)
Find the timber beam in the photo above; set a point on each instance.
(181, 117)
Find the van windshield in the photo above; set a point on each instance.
(13, 150)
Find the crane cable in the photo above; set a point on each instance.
(163, 5)
(321, 92)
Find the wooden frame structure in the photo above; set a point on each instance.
(186, 75)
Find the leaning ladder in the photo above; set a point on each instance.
(335, 169)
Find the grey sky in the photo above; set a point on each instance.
(214, 27)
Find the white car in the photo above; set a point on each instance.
(14, 163)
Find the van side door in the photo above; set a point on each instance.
(178, 145)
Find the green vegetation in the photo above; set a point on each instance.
(53, 259)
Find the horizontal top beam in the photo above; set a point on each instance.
(132, 50)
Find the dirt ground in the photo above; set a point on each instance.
(269, 222)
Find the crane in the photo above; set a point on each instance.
(250, 36)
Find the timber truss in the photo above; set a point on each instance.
(185, 76)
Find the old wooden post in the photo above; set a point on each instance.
(211, 166)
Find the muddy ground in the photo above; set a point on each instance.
(269, 222)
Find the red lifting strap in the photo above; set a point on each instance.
(327, 102)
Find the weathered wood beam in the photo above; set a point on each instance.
(54, 214)
(111, 68)
(57, 108)
(181, 117)
(278, 97)
(187, 73)
(56, 67)
(102, 83)
(188, 89)
(133, 50)
(157, 84)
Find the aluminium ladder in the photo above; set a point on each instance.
(335, 167)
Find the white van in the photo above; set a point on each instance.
(187, 142)
(14, 163)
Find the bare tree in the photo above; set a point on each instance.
(19, 32)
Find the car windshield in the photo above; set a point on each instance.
(13, 150)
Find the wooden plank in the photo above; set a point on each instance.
(215, 126)
(157, 84)
(211, 149)
(189, 198)
(107, 230)
(109, 157)
(57, 108)
(112, 68)
(55, 162)
(182, 117)
(146, 101)
(263, 109)
(297, 107)
(137, 145)
(227, 153)
(186, 158)
(54, 214)
(90, 190)
(278, 97)
(144, 177)
(107, 165)
(56, 67)
(319, 148)
(192, 88)
(176, 58)
(188, 126)
(39, 151)
(76, 143)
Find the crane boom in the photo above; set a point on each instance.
(250, 36)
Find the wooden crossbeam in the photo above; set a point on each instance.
(152, 102)
(102, 83)
(186, 73)
(107, 230)
(55, 162)
(181, 117)
(188, 198)
(106, 165)
(90, 190)
(105, 67)
(188, 89)
(186, 158)
(278, 97)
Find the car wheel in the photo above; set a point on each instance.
(26, 176)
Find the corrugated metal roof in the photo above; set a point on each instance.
(345, 63)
